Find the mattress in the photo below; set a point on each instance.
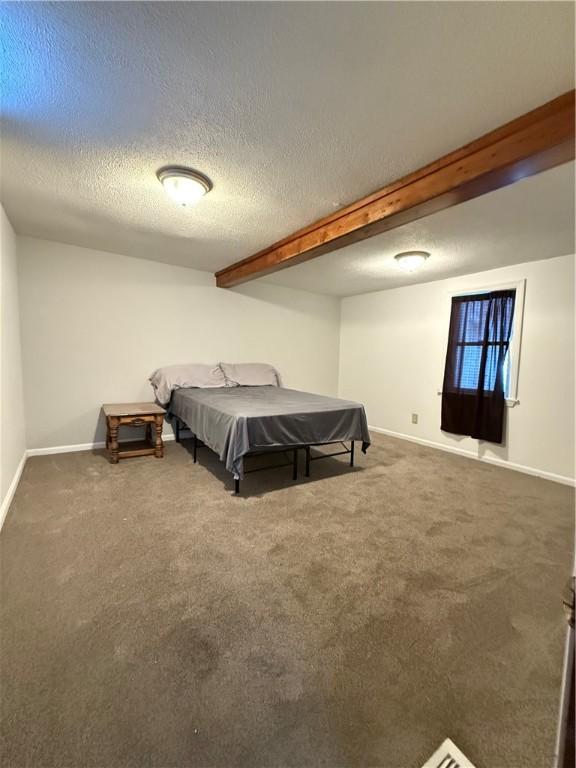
(236, 421)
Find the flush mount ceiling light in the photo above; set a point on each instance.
(184, 185)
(410, 261)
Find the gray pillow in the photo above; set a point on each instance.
(166, 380)
(250, 375)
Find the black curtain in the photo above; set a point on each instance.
(478, 343)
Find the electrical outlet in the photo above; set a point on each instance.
(414, 418)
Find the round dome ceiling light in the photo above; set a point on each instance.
(183, 185)
(410, 261)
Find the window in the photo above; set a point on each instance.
(478, 320)
(481, 368)
(470, 328)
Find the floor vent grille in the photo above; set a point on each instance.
(448, 756)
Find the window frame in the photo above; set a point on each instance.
(517, 324)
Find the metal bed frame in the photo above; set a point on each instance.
(291, 462)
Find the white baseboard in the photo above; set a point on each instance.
(64, 449)
(487, 459)
(84, 446)
(7, 500)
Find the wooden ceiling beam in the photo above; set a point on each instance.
(534, 142)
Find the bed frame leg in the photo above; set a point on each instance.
(195, 449)
(295, 464)
(307, 449)
(352, 453)
(177, 429)
(236, 485)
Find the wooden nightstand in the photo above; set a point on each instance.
(119, 415)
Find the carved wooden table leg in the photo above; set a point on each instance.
(159, 446)
(113, 428)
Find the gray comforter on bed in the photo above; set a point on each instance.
(235, 421)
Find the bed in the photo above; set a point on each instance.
(239, 421)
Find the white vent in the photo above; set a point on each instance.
(448, 756)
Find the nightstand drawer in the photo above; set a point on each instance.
(136, 421)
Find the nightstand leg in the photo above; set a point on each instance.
(159, 446)
(113, 429)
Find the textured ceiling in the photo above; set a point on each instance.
(529, 220)
(291, 109)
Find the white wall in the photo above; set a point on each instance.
(95, 325)
(12, 424)
(393, 348)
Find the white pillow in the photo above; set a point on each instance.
(250, 375)
(166, 380)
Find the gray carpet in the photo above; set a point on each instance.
(151, 619)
